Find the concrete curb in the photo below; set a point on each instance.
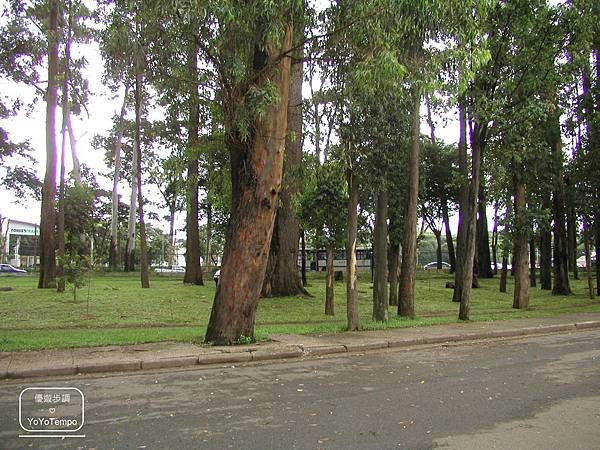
(285, 352)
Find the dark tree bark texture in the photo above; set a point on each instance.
(546, 247)
(256, 174)
(282, 278)
(380, 282)
(193, 269)
(329, 291)
(351, 270)
(406, 289)
(47, 277)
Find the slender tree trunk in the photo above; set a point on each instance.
(572, 238)
(131, 223)
(380, 285)
(520, 252)
(282, 277)
(468, 220)
(47, 277)
(588, 259)
(193, 269)
(73, 146)
(438, 249)
(597, 258)
(171, 249)
(351, 274)
(209, 231)
(303, 241)
(256, 174)
(449, 240)
(546, 247)
(394, 267)
(329, 293)
(60, 287)
(560, 258)
(406, 290)
(484, 260)
(114, 221)
(463, 203)
(139, 80)
(495, 240)
(532, 262)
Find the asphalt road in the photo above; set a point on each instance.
(533, 393)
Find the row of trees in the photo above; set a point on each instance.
(228, 77)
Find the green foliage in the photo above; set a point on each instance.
(75, 267)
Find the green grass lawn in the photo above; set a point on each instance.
(120, 312)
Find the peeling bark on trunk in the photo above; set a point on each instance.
(546, 247)
(144, 276)
(329, 292)
(282, 277)
(449, 240)
(380, 254)
(47, 277)
(520, 252)
(351, 275)
(193, 269)
(406, 290)
(73, 146)
(114, 221)
(256, 174)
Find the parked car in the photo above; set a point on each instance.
(433, 266)
(8, 269)
(172, 269)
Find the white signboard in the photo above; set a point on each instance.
(23, 228)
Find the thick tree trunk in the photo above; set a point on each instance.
(484, 260)
(139, 79)
(406, 289)
(282, 277)
(532, 262)
(546, 247)
(193, 269)
(588, 260)
(48, 217)
(114, 220)
(329, 295)
(380, 284)
(520, 252)
(449, 240)
(351, 274)
(256, 174)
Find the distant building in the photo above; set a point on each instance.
(21, 243)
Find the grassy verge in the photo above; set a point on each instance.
(113, 309)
